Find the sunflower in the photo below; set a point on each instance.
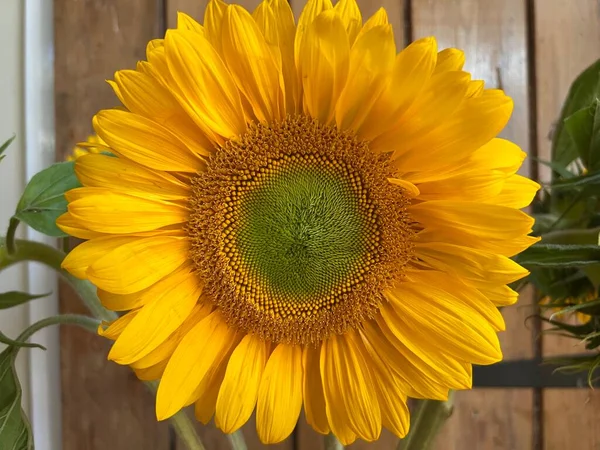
(93, 144)
(298, 216)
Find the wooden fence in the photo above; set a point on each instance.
(531, 48)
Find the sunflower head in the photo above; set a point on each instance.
(296, 216)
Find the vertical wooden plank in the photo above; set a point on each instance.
(567, 40)
(493, 35)
(104, 405)
(306, 437)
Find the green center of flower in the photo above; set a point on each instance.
(296, 231)
(301, 232)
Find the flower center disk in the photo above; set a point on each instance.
(295, 231)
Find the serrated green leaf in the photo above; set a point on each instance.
(4, 146)
(582, 93)
(15, 430)
(44, 198)
(557, 255)
(14, 298)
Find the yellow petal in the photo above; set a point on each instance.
(310, 11)
(324, 60)
(195, 356)
(166, 349)
(412, 70)
(158, 318)
(455, 218)
(450, 59)
(205, 396)
(424, 380)
(114, 329)
(108, 212)
(145, 95)
(410, 189)
(280, 394)
(239, 390)
(379, 18)
(204, 85)
(476, 122)
(153, 372)
(461, 331)
(72, 227)
(475, 89)
(213, 22)
(518, 192)
(312, 390)
(81, 257)
(276, 21)
(371, 58)
(97, 170)
(145, 141)
(475, 186)
(424, 354)
(251, 64)
(463, 292)
(185, 22)
(351, 399)
(121, 302)
(138, 264)
(498, 154)
(469, 263)
(440, 98)
(498, 294)
(391, 391)
(349, 12)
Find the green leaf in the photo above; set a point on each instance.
(14, 298)
(4, 146)
(583, 93)
(589, 179)
(15, 431)
(557, 255)
(584, 128)
(44, 198)
(4, 339)
(561, 170)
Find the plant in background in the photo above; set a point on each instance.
(565, 266)
(284, 217)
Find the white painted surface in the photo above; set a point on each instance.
(12, 167)
(27, 110)
(44, 367)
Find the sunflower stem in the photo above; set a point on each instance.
(10, 235)
(331, 443)
(426, 422)
(45, 254)
(237, 441)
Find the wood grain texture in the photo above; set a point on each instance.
(493, 37)
(195, 8)
(104, 405)
(567, 40)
